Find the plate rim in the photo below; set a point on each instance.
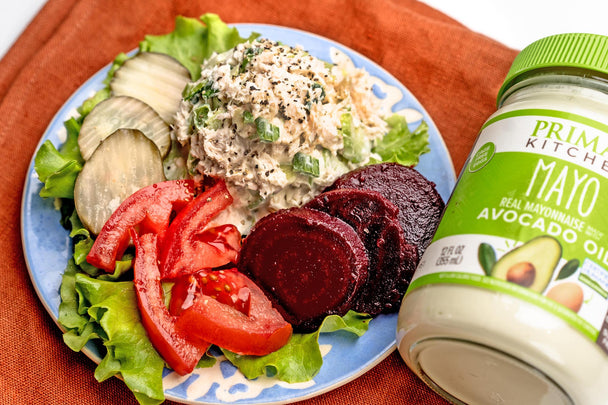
(63, 110)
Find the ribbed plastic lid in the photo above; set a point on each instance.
(573, 50)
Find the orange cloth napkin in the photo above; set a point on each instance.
(454, 72)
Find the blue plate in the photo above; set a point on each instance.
(47, 247)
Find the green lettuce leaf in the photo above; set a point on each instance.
(70, 149)
(192, 41)
(70, 315)
(56, 171)
(82, 239)
(300, 359)
(400, 145)
(93, 309)
(356, 145)
(353, 322)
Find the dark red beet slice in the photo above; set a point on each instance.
(308, 263)
(411, 259)
(391, 259)
(420, 205)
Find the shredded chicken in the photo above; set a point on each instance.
(258, 106)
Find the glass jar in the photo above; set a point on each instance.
(509, 302)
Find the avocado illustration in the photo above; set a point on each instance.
(531, 264)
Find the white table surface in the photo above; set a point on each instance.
(515, 23)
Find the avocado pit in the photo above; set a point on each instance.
(522, 273)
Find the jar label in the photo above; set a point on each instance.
(529, 218)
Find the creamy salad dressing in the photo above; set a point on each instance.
(230, 388)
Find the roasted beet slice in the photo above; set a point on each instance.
(420, 205)
(307, 262)
(391, 259)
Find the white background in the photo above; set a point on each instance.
(515, 23)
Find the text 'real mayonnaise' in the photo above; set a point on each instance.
(509, 303)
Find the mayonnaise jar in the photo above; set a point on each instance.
(509, 302)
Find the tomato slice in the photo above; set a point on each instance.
(222, 285)
(189, 247)
(225, 239)
(181, 354)
(149, 208)
(206, 319)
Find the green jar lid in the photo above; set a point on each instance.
(573, 50)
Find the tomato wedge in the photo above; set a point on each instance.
(203, 318)
(181, 354)
(189, 247)
(225, 239)
(149, 209)
(222, 285)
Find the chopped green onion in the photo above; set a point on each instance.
(191, 89)
(193, 92)
(266, 131)
(306, 164)
(256, 200)
(316, 85)
(201, 114)
(215, 103)
(287, 169)
(248, 117)
(308, 102)
(247, 56)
